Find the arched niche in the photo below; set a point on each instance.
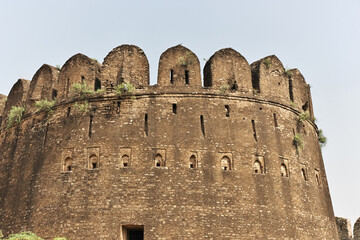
(228, 68)
(270, 79)
(126, 63)
(78, 69)
(179, 66)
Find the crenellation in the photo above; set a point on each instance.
(179, 66)
(228, 69)
(175, 160)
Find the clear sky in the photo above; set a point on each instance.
(321, 38)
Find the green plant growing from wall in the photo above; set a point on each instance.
(83, 108)
(15, 115)
(322, 138)
(267, 62)
(82, 90)
(304, 116)
(292, 104)
(298, 142)
(27, 235)
(189, 58)
(124, 88)
(45, 105)
(58, 67)
(287, 72)
(224, 88)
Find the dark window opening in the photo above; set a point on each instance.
(255, 79)
(133, 232)
(305, 106)
(67, 164)
(82, 80)
(90, 125)
(174, 108)
(227, 109)
(258, 168)
(94, 165)
(275, 120)
(202, 125)
(186, 77)
(159, 161)
(234, 86)
(303, 173)
(254, 129)
(69, 168)
(192, 161)
(118, 107)
(171, 76)
(283, 170)
(146, 127)
(54, 94)
(125, 160)
(225, 163)
(317, 179)
(67, 86)
(291, 90)
(97, 84)
(94, 162)
(68, 111)
(1, 121)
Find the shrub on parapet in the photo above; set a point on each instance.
(304, 116)
(322, 138)
(15, 115)
(224, 88)
(45, 105)
(84, 91)
(124, 88)
(27, 235)
(83, 108)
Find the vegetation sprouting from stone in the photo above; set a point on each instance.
(267, 62)
(322, 138)
(189, 58)
(298, 141)
(83, 107)
(26, 235)
(123, 88)
(58, 67)
(45, 105)
(15, 115)
(304, 116)
(84, 91)
(224, 88)
(287, 72)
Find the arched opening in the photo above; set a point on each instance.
(303, 173)
(192, 162)
(159, 161)
(258, 168)
(225, 163)
(283, 170)
(125, 160)
(97, 84)
(67, 164)
(94, 162)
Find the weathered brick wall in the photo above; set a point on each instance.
(287, 197)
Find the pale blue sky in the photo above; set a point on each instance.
(321, 38)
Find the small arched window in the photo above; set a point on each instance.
(283, 170)
(258, 168)
(159, 161)
(94, 162)
(225, 163)
(67, 164)
(192, 162)
(303, 173)
(125, 160)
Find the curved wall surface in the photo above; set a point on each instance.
(180, 162)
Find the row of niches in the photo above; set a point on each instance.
(159, 161)
(126, 69)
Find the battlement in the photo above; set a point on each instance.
(227, 72)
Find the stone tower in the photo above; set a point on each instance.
(234, 157)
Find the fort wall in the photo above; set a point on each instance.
(181, 160)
